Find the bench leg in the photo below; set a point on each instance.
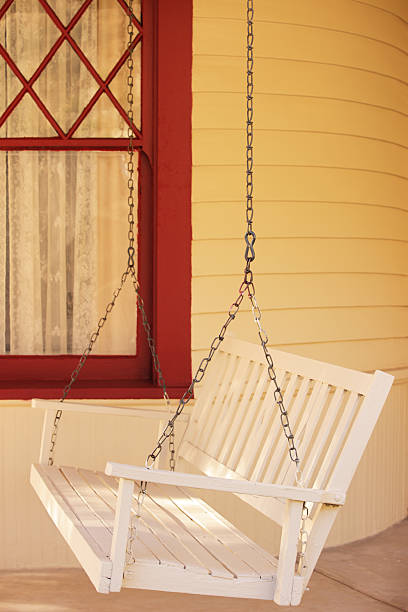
(121, 532)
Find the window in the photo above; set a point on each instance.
(63, 122)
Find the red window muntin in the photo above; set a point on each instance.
(164, 212)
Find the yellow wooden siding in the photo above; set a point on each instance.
(330, 197)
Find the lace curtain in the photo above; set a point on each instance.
(49, 215)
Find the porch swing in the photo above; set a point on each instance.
(140, 527)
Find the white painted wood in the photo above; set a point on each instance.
(312, 459)
(273, 508)
(182, 581)
(209, 483)
(276, 471)
(121, 532)
(319, 530)
(145, 546)
(256, 385)
(48, 426)
(337, 441)
(265, 563)
(361, 431)
(228, 411)
(216, 537)
(230, 442)
(267, 450)
(215, 407)
(198, 542)
(88, 552)
(287, 553)
(303, 366)
(266, 419)
(234, 438)
(146, 413)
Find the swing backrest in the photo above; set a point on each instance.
(235, 429)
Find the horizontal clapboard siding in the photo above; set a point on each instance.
(330, 197)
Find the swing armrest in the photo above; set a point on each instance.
(145, 412)
(210, 483)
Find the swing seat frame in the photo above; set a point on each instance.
(232, 443)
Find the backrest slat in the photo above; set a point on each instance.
(249, 418)
(237, 460)
(337, 440)
(235, 425)
(310, 461)
(266, 451)
(211, 414)
(230, 443)
(228, 408)
(260, 424)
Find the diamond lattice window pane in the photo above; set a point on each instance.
(103, 121)
(107, 27)
(10, 85)
(65, 86)
(65, 11)
(27, 34)
(119, 86)
(27, 120)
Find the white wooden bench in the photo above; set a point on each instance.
(234, 439)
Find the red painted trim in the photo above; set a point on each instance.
(27, 87)
(173, 165)
(164, 257)
(73, 144)
(5, 7)
(125, 7)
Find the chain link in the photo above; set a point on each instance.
(247, 285)
(134, 522)
(130, 270)
(199, 375)
(93, 338)
(131, 152)
(303, 539)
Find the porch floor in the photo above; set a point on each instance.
(368, 576)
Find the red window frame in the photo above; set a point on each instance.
(164, 214)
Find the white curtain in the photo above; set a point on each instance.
(48, 219)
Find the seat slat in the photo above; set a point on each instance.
(206, 530)
(261, 562)
(90, 521)
(179, 524)
(94, 501)
(173, 552)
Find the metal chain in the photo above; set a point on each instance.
(93, 338)
(130, 165)
(199, 375)
(130, 270)
(247, 285)
(134, 522)
(303, 539)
